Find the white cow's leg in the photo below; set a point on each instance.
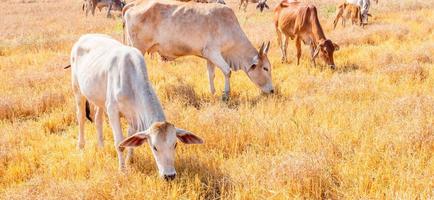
(217, 59)
(130, 150)
(113, 115)
(98, 123)
(211, 75)
(81, 107)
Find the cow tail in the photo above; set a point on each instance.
(88, 111)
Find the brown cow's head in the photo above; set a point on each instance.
(161, 137)
(262, 4)
(260, 71)
(325, 49)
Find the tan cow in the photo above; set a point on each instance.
(299, 21)
(210, 31)
(348, 11)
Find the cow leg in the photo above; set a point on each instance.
(217, 59)
(241, 3)
(211, 75)
(245, 6)
(98, 123)
(81, 117)
(285, 47)
(109, 9)
(298, 47)
(279, 42)
(130, 150)
(114, 119)
(312, 52)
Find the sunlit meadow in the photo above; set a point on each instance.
(362, 131)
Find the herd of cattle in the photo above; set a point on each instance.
(112, 76)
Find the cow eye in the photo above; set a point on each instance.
(253, 67)
(265, 69)
(176, 144)
(155, 148)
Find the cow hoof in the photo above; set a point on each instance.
(225, 96)
(80, 145)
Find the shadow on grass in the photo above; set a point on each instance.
(213, 182)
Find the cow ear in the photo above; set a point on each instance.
(261, 49)
(336, 47)
(135, 140)
(267, 47)
(315, 54)
(187, 137)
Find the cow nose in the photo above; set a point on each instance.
(272, 91)
(169, 177)
(333, 66)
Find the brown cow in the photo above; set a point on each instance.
(300, 21)
(348, 11)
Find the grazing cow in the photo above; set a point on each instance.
(113, 77)
(348, 11)
(261, 4)
(166, 27)
(91, 5)
(300, 21)
(364, 8)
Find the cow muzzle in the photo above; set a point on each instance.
(169, 177)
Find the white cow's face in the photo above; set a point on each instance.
(162, 138)
(260, 71)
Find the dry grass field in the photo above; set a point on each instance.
(362, 131)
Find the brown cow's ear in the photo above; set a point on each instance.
(336, 47)
(135, 140)
(315, 54)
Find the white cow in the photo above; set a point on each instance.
(114, 78)
(211, 31)
(364, 8)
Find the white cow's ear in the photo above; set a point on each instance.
(135, 140)
(267, 47)
(187, 137)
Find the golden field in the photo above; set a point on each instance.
(362, 131)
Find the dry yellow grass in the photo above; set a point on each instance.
(365, 130)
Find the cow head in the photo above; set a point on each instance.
(262, 4)
(260, 70)
(325, 49)
(161, 137)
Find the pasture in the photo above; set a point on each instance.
(362, 131)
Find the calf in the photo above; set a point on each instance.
(348, 11)
(300, 21)
(113, 77)
(364, 9)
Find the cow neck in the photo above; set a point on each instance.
(242, 56)
(318, 33)
(149, 109)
